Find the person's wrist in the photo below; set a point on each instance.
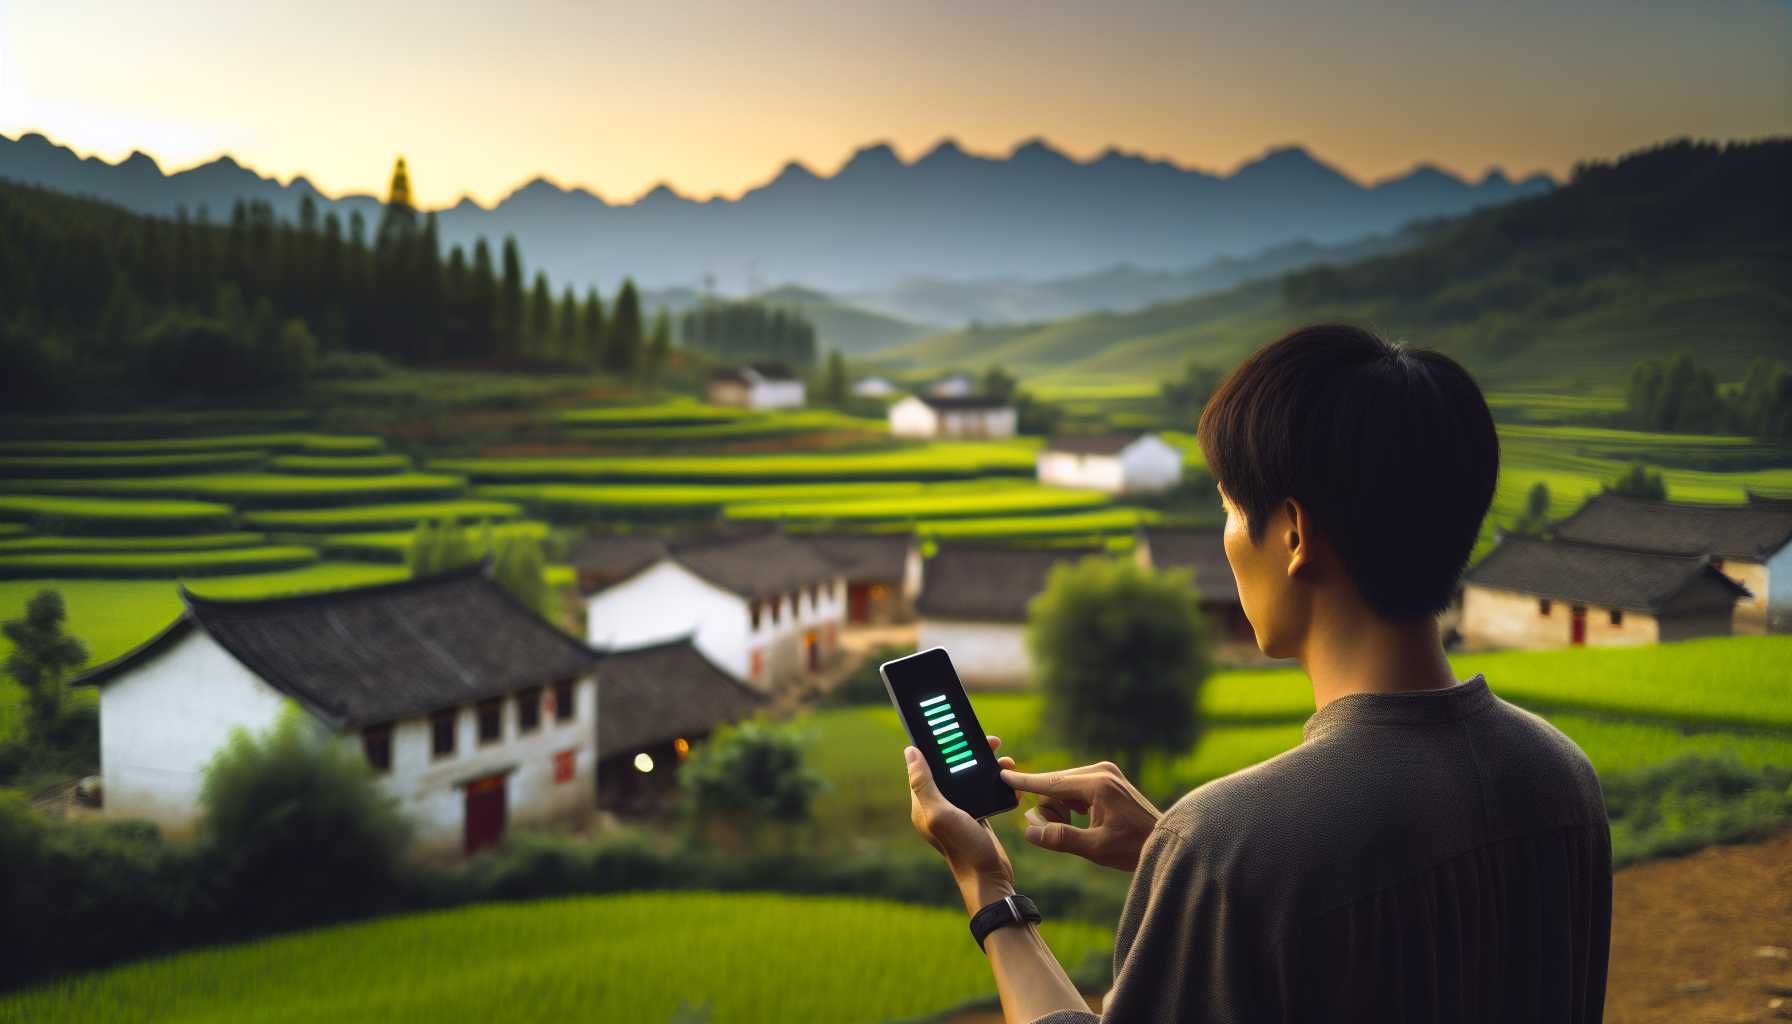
(981, 890)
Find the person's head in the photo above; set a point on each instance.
(1351, 469)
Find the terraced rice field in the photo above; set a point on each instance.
(924, 462)
(252, 490)
(395, 516)
(50, 513)
(155, 564)
(64, 545)
(603, 958)
(1003, 502)
(294, 441)
(87, 466)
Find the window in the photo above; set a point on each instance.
(1617, 617)
(1543, 606)
(528, 710)
(491, 721)
(376, 743)
(777, 608)
(441, 732)
(563, 701)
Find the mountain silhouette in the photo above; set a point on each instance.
(879, 221)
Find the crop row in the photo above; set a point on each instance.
(52, 544)
(256, 490)
(933, 461)
(804, 422)
(1005, 502)
(126, 564)
(115, 516)
(296, 441)
(131, 465)
(394, 516)
(341, 465)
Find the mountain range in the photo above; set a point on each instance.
(873, 227)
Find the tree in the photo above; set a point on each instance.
(294, 821)
(998, 384)
(519, 567)
(1120, 655)
(444, 546)
(1640, 482)
(623, 348)
(835, 387)
(594, 344)
(749, 775)
(43, 656)
(541, 317)
(1536, 511)
(1185, 396)
(659, 347)
(510, 300)
(566, 336)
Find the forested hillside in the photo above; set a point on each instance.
(1682, 247)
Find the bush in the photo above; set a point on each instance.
(352, 366)
(295, 826)
(1693, 802)
(749, 775)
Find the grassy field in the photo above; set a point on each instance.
(396, 516)
(156, 564)
(128, 465)
(747, 957)
(1101, 521)
(776, 425)
(1011, 501)
(395, 545)
(193, 542)
(576, 501)
(372, 465)
(257, 489)
(281, 442)
(673, 412)
(51, 513)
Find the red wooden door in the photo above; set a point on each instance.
(812, 651)
(858, 603)
(1577, 626)
(485, 812)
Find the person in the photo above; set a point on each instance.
(1428, 852)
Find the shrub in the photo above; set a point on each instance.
(1692, 802)
(749, 775)
(351, 366)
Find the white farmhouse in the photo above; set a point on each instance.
(974, 604)
(765, 607)
(1751, 544)
(757, 386)
(963, 417)
(1115, 463)
(1534, 593)
(473, 712)
(874, 387)
(882, 572)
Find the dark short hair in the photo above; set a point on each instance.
(1391, 450)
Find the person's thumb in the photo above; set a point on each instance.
(920, 780)
(1061, 838)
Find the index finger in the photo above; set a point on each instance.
(1073, 783)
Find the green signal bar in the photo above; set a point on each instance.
(963, 755)
(955, 747)
(957, 734)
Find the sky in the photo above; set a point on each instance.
(714, 96)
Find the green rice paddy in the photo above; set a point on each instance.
(931, 461)
(1005, 502)
(52, 513)
(157, 564)
(595, 958)
(396, 516)
(327, 465)
(282, 442)
(49, 543)
(255, 489)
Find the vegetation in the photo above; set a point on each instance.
(1119, 655)
(932, 461)
(101, 516)
(161, 564)
(43, 659)
(1691, 802)
(1677, 396)
(401, 516)
(1637, 482)
(1005, 501)
(749, 331)
(749, 776)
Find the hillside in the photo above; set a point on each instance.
(1682, 247)
(841, 327)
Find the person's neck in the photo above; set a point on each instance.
(1350, 649)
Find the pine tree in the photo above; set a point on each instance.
(659, 346)
(42, 657)
(835, 388)
(541, 317)
(484, 327)
(594, 342)
(510, 300)
(566, 333)
(622, 353)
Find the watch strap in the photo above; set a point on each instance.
(1003, 912)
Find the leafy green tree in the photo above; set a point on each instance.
(1639, 481)
(749, 776)
(566, 335)
(835, 386)
(623, 344)
(659, 347)
(1535, 518)
(520, 567)
(998, 384)
(438, 547)
(1120, 655)
(43, 658)
(294, 821)
(1185, 396)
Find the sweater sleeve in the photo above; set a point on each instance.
(1178, 951)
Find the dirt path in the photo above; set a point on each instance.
(1702, 938)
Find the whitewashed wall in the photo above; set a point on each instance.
(161, 722)
(668, 601)
(1779, 591)
(986, 654)
(1150, 464)
(912, 417)
(776, 394)
(1503, 618)
(1147, 464)
(976, 423)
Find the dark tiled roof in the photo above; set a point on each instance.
(989, 584)
(1198, 549)
(949, 403)
(746, 374)
(758, 565)
(374, 654)
(863, 556)
(653, 694)
(617, 554)
(1753, 531)
(1644, 581)
(1092, 444)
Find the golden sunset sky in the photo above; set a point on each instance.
(714, 96)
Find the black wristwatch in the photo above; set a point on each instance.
(1003, 912)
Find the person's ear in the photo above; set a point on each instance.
(1295, 536)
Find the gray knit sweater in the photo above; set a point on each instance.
(1430, 856)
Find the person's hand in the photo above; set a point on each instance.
(979, 864)
(1119, 815)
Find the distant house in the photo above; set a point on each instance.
(765, 607)
(882, 572)
(1530, 592)
(874, 387)
(952, 385)
(653, 705)
(1751, 544)
(1202, 551)
(756, 386)
(964, 417)
(974, 604)
(599, 560)
(1116, 463)
(473, 712)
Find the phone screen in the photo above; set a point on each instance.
(927, 694)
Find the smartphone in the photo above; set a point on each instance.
(938, 716)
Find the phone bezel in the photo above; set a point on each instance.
(896, 705)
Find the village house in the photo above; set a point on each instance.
(599, 560)
(473, 712)
(756, 386)
(1751, 544)
(882, 572)
(1201, 551)
(874, 387)
(765, 607)
(1115, 463)
(1532, 593)
(974, 604)
(654, 704)
(962, 417)
(952, 385)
